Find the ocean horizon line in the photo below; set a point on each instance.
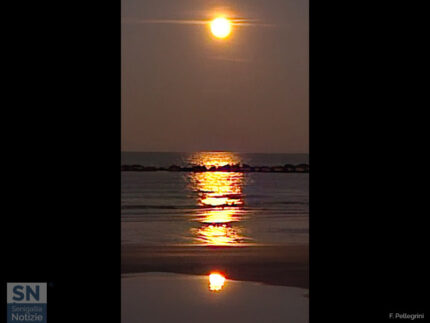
(215, 151)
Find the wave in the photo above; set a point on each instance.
(160, 207)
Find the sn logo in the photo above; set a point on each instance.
(26, 293)
(18, 293)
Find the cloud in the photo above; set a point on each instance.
(235, 21)
(231, 59)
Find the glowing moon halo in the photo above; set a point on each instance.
(220, 27)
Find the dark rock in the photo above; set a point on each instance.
(225, 168)
(302, 168)
(199, 169)
(246, 168)
(277, 169)
(174, 168)
(136, 168)
(289, 168)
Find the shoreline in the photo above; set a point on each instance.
(271, 265)
(189, 298)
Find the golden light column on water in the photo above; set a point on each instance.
(219, 195)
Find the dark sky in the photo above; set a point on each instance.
(184, 90)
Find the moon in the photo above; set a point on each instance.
(221, 27)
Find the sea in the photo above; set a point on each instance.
(163, 208)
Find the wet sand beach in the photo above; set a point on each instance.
(164, 297)
(274, 265)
